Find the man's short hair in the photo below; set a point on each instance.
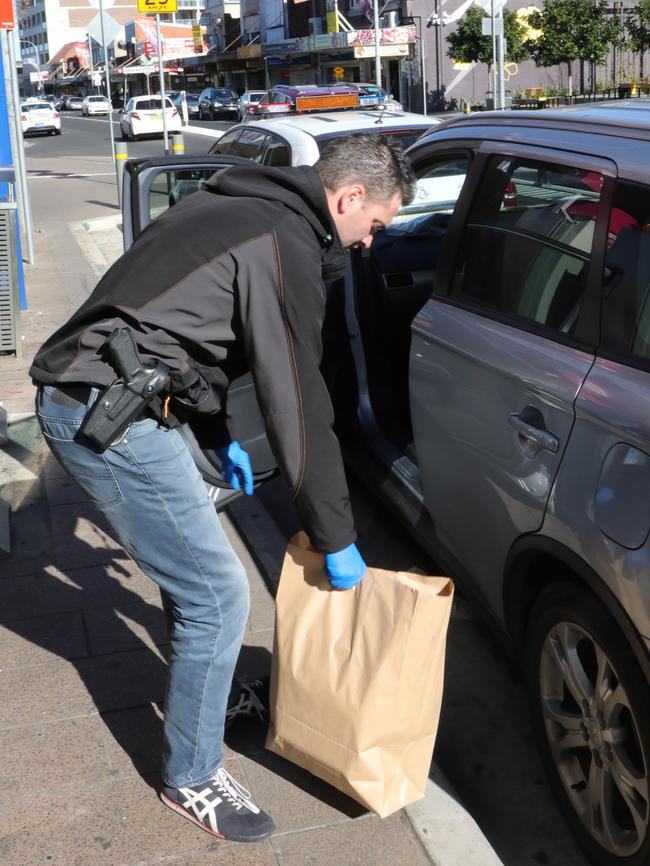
(373, 161)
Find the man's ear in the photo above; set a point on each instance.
(350, 196)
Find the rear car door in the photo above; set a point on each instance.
(500, 351)
(150, 187)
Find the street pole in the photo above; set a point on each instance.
(424, 73)
(501, 61)
(16, 138)
(375, 9)
(92, 64)
(107, 73)
(494, 61)
(161, 73)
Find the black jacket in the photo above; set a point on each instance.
(231, 278)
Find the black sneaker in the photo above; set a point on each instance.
(252, 700)
(222, 807)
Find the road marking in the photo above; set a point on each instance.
(65, 176)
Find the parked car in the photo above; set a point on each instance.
(496, 394)
(246, 99)
(193, 105)
(297, 139)
(73, 103)
(95, 105)
(215, 101)
(143, 116)
(373, 96)
(287, 98)
(38, 115)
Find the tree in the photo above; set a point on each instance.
(638, 30)
(468, 45)
(573, 30)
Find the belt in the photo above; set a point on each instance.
(71, 395)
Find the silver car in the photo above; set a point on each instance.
(489, 363)
(245, 100)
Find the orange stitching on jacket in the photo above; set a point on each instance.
(278, 270)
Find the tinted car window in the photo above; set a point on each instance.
(527, 244)
(251, 144)
(277, 152)
(220, 93)
(153, 104)
(625, 320)
(226, 142)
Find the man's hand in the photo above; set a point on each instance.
(345, 568)
(236, 467)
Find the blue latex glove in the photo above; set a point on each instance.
(236, 467)
(345, 568)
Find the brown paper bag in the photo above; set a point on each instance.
(357, 676)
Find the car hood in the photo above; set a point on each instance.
(301, 190)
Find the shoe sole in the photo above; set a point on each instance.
(185, 814)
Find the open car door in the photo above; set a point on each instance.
(150, 187)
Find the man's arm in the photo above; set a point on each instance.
(282, 304)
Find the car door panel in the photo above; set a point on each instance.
(485, 480)
(150, 187)
(494, 373)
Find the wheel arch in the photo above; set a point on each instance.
(534, 562)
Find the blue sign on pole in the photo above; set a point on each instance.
(6, 158)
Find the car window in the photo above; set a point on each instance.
(153, 104)
(226, 142)
(251, 144)
(277, 152)
(170, 186)
(438, 188)
(526, 247)
(277, 98)
(625, 319)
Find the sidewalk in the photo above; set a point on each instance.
(83, 649)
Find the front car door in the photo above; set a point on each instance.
(499, 353)
(150, 187)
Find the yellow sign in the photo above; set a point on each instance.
(151, 7)
(197, 37)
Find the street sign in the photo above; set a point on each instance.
(150, 7)
(197, 36)
(486, 26)
(7, 15)
(111, 29)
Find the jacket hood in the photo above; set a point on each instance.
(301, 190)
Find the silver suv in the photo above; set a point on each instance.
(501, 344)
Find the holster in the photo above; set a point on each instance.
(125, 399)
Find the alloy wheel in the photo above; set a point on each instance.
(594, 739)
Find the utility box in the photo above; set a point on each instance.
(9, 299)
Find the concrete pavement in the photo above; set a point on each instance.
(84, 650)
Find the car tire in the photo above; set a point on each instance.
(57, 132)
(591, 715)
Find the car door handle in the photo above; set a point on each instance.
(542, 437)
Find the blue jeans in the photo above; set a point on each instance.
(156, 503)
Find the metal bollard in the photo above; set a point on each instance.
(120, 156)
(178, 144)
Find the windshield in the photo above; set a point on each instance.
(224, 94)
(31, 105)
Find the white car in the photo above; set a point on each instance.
(95, 105)
(297, 139)
(39, 116)
(143, 116)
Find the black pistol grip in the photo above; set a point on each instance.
(124, 354)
